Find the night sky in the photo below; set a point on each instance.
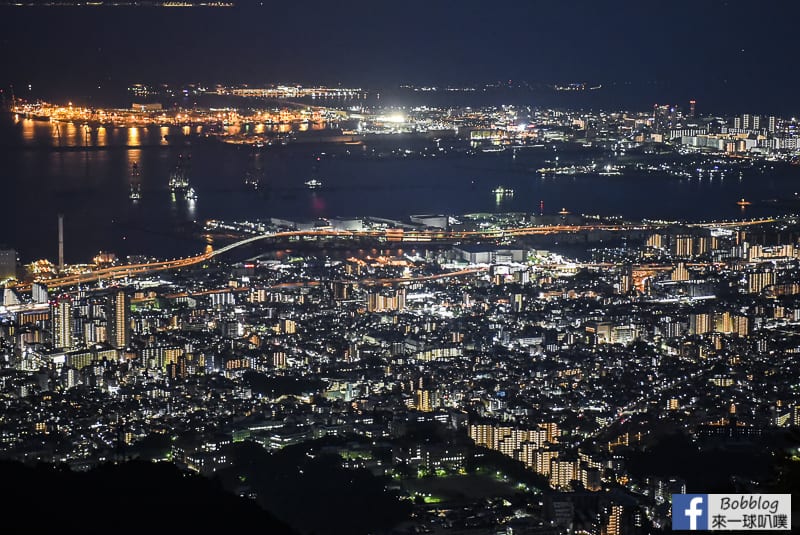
(726, 54)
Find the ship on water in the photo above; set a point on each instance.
(567, 170)
(503, 191)
(254, 178)
(179, 179)
(136, 184)
(610, 170)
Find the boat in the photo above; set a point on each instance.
(136, 186)
(567, 170)
(191, 195)
(501, 190)
(136, 191)
(743, 202)
(493, 148)
(610, 170)
(252, 179)
(313, 183)
(178, 179)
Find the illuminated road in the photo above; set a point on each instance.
(390, 235)
(655, 394)
(311, 283)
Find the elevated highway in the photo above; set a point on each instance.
(391, 235)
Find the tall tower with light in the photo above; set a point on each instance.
(60, 243)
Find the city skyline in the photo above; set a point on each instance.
(390, 268)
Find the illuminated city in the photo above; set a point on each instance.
(362, 304)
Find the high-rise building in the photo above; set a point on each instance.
(741, 325)
(95, 332)
(341, 290)
(119, 319)
(680, 273)
(10, 297)
(278, 359)
(626, 280)
(656, 241)
(381, 301)
(759, 280)
(543, 460)
(424, 400)
(664, 117)
(760, 253)
(591, 478)
(625, 283)
(257, 295)
(599, 332)
(771, 124)
(482, 434)
(517, 302)
(39, 293)
(8, 264)
(563, 472)
(699, 323)
(692, 108)
(61, 312)
(702, 245)
(756, 122)
(723, 322)
(746, 121)
(683, 246)
(615, 524)
(161, 356)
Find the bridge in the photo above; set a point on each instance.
(392, 235)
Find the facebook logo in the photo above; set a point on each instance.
(690, 511)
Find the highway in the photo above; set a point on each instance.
(390, 235)
(312, 283)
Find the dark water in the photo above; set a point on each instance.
(91, 187)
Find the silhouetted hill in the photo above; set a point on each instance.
(132, 497)
(312, 492)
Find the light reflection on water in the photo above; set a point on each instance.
(92, 187)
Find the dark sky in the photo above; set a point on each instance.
(738, 52)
